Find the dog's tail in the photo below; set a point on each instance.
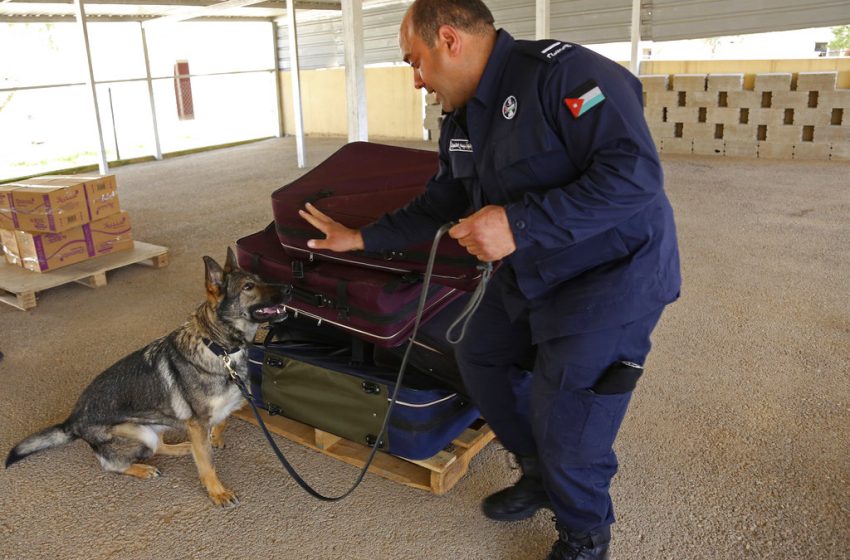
(48, 438)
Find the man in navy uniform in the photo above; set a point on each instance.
(546, 157)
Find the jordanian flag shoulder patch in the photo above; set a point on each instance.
(584, 98)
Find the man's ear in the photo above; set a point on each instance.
(215, 280)
(450, 37)
(230, 264)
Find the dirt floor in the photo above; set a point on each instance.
(737, 444)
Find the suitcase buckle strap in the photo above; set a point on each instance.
(371, 388)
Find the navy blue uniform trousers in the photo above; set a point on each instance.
(552, 412)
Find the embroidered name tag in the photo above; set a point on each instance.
(460, 145)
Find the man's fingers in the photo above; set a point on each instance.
(314, 221)
(460, 230)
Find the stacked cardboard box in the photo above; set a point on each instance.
(57, 220)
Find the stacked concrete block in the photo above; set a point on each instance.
(775, 81)
(816, 81)
(812, 150)
(725, 82)
(688, 82)
(677, 146)
(709, 147)
(746, 149)
(785, 115)
(433, 117)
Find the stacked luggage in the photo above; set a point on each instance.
(333, 362)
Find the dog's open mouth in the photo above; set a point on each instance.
(268, 313)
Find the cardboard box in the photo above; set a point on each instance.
(48, 208)
(41, 252)
(7, 217)
(110, 234)
(101, 191)
(10, 247)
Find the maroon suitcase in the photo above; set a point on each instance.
(373, 305)
(355, 186)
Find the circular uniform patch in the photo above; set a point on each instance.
(509, 107)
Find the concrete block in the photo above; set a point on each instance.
(688, 82)
(682, 114)
(700, 131)
(662, 130)
(662, 99)
(653, 114)
(840, 152)
(790, 99)
(700, 99)
(775, 150)
(655, 82)
(725, 115)
(741, 149)
(812, 150)
(784, 134)
(816, 81)
(725, 82)
(812, 117)
(740, 133)
(746, 99)
(676, 146)
(709, 147)
(832, 134)
(838, 99)
(764, 116)
(774, 81)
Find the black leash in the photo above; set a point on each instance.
(466, 314)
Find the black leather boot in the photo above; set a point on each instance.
(521, 500)
(572, 545)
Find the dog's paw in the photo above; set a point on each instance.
(217, 442)
(143, 472)
(225, 498)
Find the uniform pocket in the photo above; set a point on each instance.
(582, 425)
(606, 247)
(604, 420)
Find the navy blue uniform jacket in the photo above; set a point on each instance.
(579, 177)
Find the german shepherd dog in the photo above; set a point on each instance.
(179, 381)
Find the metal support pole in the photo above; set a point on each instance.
(81, 21)
(294, 71)
(355, 78)
(158, 148)
(277, 94)
(542, 25)
(635, 63)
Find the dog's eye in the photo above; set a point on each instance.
(247, 286)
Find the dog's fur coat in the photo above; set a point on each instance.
(175, 382)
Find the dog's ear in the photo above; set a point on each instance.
(231, 263)
(215, 279)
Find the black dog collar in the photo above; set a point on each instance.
(218, 350)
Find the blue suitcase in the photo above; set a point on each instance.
(326, 387)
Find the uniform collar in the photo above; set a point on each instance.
(487, 86)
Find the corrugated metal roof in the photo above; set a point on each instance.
(579, 21)
(142, 10)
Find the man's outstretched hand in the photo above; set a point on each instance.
(337, 236)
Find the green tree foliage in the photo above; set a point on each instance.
(841, 37)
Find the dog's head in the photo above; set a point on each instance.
(237, 294)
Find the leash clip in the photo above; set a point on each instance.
(232, 372)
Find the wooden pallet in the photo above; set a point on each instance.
(437, 474)
(18, 286)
